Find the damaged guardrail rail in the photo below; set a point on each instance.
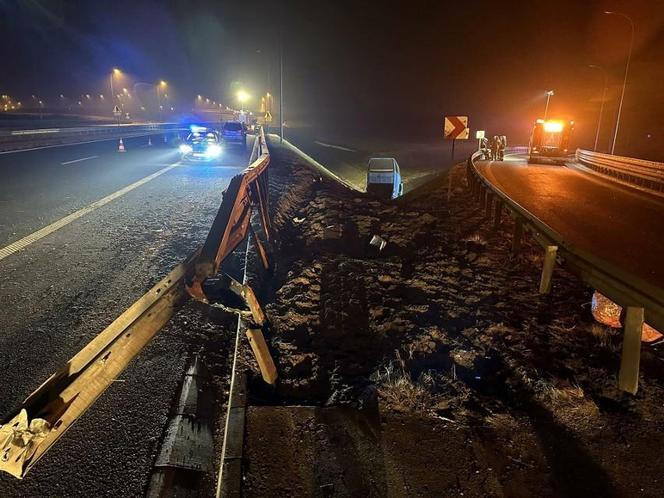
(642, 301)
(52, 409)
(639, 172)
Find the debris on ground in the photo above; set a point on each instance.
(482, 386)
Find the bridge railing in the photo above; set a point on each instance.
(643, 301)
(645, 174)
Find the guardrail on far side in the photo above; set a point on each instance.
(643, 302)
(16, 140)
(639, 172)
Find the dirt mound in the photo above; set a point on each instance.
(444, 323)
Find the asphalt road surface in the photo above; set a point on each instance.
(61, 290)
(622, 225)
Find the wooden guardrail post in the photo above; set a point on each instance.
(517, 235)
(547, 269)
(628, 378)
(497, 214)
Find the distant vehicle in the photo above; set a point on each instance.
(550, 139)
(384, 178)
(234, 131)
(202, 144)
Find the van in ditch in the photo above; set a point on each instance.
(384, 178)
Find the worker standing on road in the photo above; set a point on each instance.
(484, 149)
(502, 145)
(495, 144)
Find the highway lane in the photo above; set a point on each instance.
(622, 225)
(41, 186)
(61, 291)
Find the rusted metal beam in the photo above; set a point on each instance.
(231, 225)
(261, 248)
(54, 407)
(262, 354)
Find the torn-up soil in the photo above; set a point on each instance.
(483, 387)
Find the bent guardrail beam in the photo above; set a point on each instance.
(232, 223)
(52, 409)
(625, 289)
(38, 423)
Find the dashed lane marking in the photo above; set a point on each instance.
(79, 160)
(49, 229)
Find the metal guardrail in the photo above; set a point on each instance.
(643, 302)
(93, 129)
(53, 408)
(20, 139)
(639, 172)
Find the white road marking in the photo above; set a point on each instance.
(323, 144)
(49, 229)
(79, 160)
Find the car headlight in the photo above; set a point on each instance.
(185, 148)
(213, 150)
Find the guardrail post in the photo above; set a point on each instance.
(547, 269)
(488, 203)
(628, 378)
(497, 214)
(517, 235)
(262, 354)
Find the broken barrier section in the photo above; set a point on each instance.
(232, 223)
(52, 409)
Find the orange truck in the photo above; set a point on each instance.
(550, 139)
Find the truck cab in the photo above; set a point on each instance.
(384, 178)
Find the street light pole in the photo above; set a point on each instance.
(281, 80)
(549, 93)
(160, 85)
(601, 107)
(114, 71)
(629, 58)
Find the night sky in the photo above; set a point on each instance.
(373, 66)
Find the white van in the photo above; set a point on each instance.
(384, 178)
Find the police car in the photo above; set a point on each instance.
(201, 144)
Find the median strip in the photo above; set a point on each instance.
(49, 229)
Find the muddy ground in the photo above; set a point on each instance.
(433, 367)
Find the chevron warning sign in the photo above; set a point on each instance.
(456, 127)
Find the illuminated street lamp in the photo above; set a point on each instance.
(242, 97)
(549, 94)
(629, 57)
(601, 107)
